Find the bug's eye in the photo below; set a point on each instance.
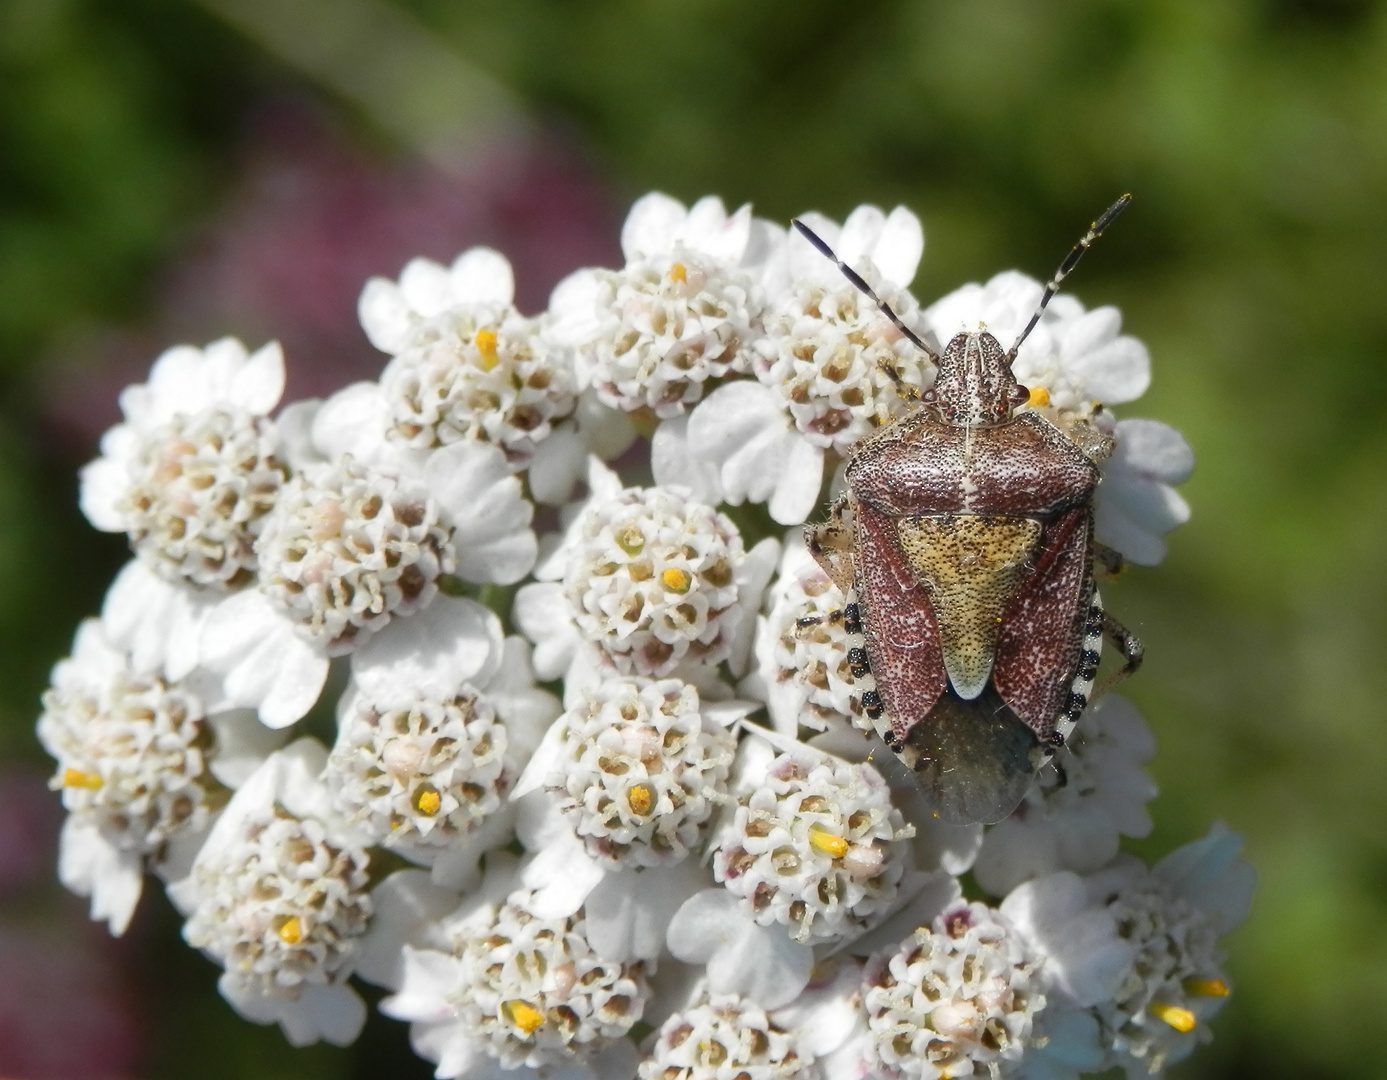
(1020, 393)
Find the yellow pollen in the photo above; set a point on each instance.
(79, 779)
(1214, 988)
(524, 1016)
(486, 345)
(677, 272)
(641, 798)
(1182, 1020)
(1040, 397)
(427, 801)
(676, 580)
(291, 931)
(833, 846)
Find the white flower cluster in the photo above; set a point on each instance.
(689, 858)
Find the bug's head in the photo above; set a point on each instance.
(975, 385)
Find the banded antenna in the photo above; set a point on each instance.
(1071, 260)
(861, 284)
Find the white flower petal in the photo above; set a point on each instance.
(562, 875)
(1211, 874)
(490, 514)
(653, 224)
(104, 482)
(898, 249)
(628, 913)
(90, 865)
(761, 963)
(385, 314)
(543, 614)
(482, 276)
(426, 287)
(573, 314)
(258, 384)
(671, 462)
(430, 655)
(353, 421)
(409, 910)
(264, 664)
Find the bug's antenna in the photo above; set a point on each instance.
(1070, 261)
(861, 284)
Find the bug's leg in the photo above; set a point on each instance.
(903, 388)
(831, 545)
(1109, 562)
(1133, 651)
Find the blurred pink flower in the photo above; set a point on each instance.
(312, 217)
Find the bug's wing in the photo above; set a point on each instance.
(902, 639)
(975, 759)
(1043, 630)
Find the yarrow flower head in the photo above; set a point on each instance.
(724, 1035)
(195, 468)
(639, 771)
(651, 578)
(525, 991)
(957, 998)
(1171, 918)
(685, 309)
(467, 364)
(828, 350)
(348, 549)
(803, 672)
(815, 846)
(278, 896)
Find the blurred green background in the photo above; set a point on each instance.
(138, 198)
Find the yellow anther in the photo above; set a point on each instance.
(641, 798)
(524, 1016)
(676, 580)
(77, 778)
(833, 846)
(1182, 1020)
(1214, 988)
(486, 345)
(1040, 397)
(678, 272)
(290, 931)
(427, 800)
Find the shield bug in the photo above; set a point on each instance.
(964, 545)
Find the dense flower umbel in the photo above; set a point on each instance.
(523, 990)
(641, 771)
(570, 835)
(653, 579)
(131, 748)
(725, 1035)
(425, 773)
(347, 549)
(815, 847)
(193, 470)
(957, 998)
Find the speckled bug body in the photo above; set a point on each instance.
(964, 544)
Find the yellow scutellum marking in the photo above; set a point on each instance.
(524, 1016)
(641, 798)
(676, 580)
(833, 846)
(1040, 397)
(428, 801)
(486, 345)
(78, 779)
(291, 932)
(1214, 988)
(677, 272)
(1182, 1020)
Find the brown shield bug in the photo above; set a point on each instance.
(964, 545)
